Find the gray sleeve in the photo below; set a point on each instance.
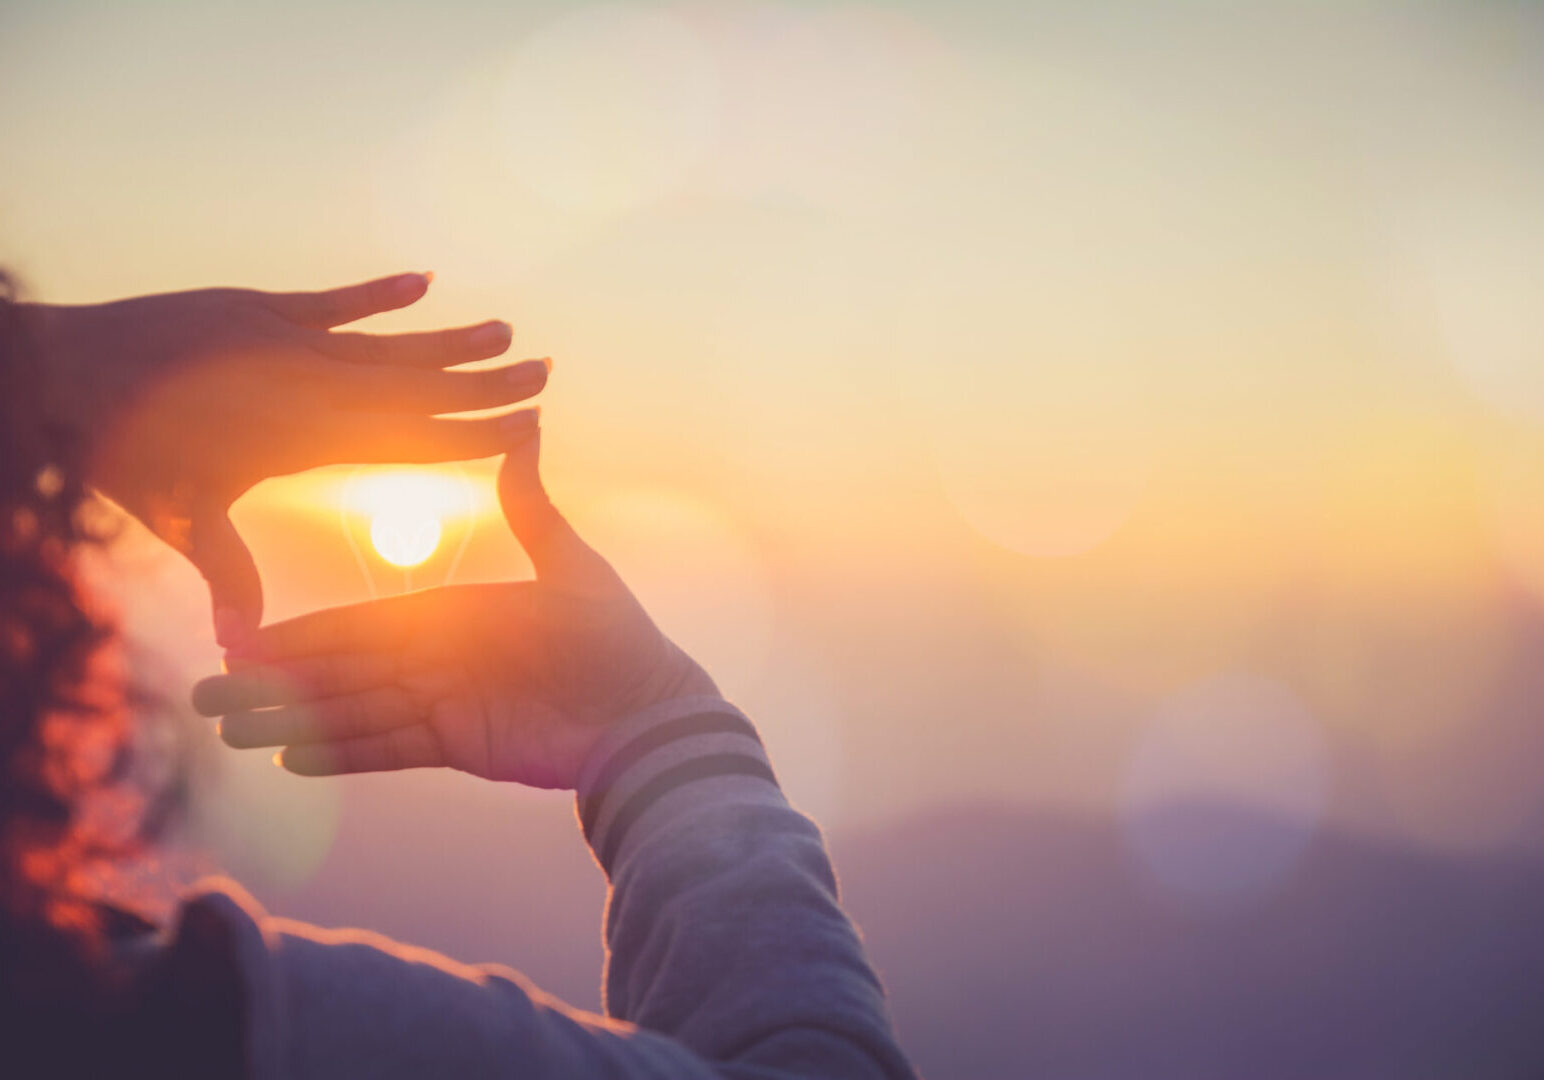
(723, 928)
(728, 954)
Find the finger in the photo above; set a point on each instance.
(235, 590)
(403, 439)
(555, 549)
(435, 349)
(352, 716)
(373, 627)
(288, 682)
(421, 628)
(334, 307)
(405, 748)
(400, 389)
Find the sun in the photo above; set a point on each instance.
(405, 538)
(406, 510)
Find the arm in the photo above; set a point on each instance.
(724, 930)
(729, 954)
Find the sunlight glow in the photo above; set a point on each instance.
(1023, 364)
(406, 509)
(405, 539)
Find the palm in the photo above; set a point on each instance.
(504, 675)
(524, 741)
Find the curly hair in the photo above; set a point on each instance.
(66, 711)
(62, 722)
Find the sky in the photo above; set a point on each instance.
(1091, 407)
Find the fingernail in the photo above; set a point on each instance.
(428, 277)
(278, 759)
(547, 360)
(494, 337)
(412, 284)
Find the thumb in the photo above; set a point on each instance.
(555, 549)
(235, 591)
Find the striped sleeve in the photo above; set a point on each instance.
(723, 929)
(664, 761)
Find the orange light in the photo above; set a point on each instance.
(407, 510)
(405, 538)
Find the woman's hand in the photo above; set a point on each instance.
(510, 681)
(186, 400)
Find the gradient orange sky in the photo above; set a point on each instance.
(982, 391)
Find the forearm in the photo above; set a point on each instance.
(723, 929)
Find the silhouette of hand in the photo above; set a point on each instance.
(512, 681)
(189, 399)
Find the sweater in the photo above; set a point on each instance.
(728, 954)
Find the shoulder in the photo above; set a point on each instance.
(351, 1002)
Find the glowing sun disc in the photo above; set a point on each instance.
(404, 539)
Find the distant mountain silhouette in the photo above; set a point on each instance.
(1018, 945)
